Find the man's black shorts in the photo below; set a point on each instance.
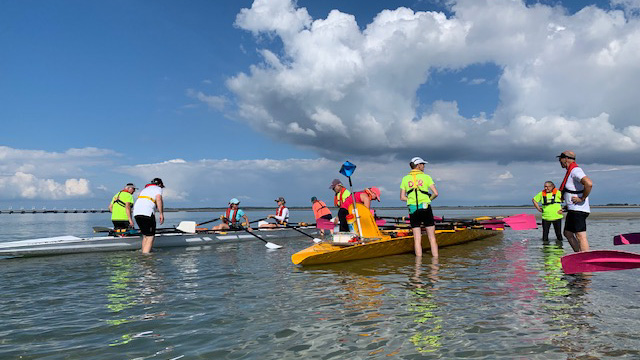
(147, 224)
(422, 217)
(120, 224)
(576, 221)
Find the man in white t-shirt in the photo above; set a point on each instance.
(144, 208)
(575, 189)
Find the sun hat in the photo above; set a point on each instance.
(334, 183)
(418, 160)
(376, 191)
(234, 201)
(130, 185)
(280, 199)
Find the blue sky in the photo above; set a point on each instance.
(262, 99)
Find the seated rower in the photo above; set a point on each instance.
(363, 197)
(232, 219)
(281, 216)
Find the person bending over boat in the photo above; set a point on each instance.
(321, 212)
(149, 200)
(414, 189)
(363, 197)
(575, 189)
(551, 210)
(281, 216)
(341, 195)
(120, 208)
(232, 219)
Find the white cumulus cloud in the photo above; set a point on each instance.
(566, 80)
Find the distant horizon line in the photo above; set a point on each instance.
(207, 209)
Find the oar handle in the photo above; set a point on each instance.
(209, 221)
(254, 221)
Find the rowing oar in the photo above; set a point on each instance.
(99, 229)
(190, 226)
(626, 239)
(254, 221)
(315, 240)
(267, 244)
(515, 222)
(599, 260)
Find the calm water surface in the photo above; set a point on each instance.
(501, 298)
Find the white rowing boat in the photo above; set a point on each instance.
(72, 244)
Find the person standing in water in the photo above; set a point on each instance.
(576, 187)
(149, 200)
(414, 189)
(551, 209)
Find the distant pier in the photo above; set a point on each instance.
(53, 211)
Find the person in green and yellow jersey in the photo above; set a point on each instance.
(414, 189)
(120, 207)
(551, 209)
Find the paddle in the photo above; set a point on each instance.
(98, 229)
(347, 170)
(210, 221)
(515, 222)
(626, 239)
(315, 240)
(267, 244)
(190, 226)
(599, 260)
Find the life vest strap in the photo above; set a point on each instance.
(148, 198)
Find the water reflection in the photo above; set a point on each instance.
(422, 302)
(134, 281)
(566, 303)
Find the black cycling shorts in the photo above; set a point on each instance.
(422, 217)
(147, 224)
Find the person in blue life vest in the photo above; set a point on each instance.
(232, 219)
(149, 201)
(418, 190)
(551, 209)
(576, 187)
(120, 208)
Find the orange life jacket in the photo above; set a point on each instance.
(320, 209)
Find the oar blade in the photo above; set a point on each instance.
(271, 245)
(626, 239)
(187, 227)
(599, 260)
(99, 229)
(521, 222)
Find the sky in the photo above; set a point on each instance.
(267, 98)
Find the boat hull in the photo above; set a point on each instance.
(73, 244)
(326, 253)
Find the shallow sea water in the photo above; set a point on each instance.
(500, 298)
